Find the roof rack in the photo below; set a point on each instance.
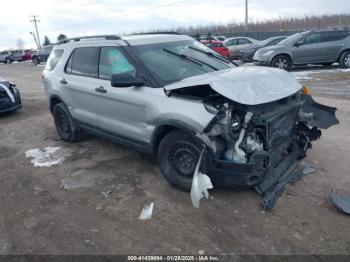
(77, 39)
(159, 33)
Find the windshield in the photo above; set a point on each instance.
(174, 61)
(292, 39)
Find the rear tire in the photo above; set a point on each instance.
(36, 61)
(344, 60)
(65, 126)
(8, 61)
(178, 156)
(282, 62)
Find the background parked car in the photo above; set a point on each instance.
(27, 54)
(6, 57)
(18, 55)
(323, 46)
(236, 44)
(248, 52)
(211, 38)
(218, 46)
(42, 54)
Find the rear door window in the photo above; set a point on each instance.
(53, 59)
(334, 35)
(113, 61)
(83, 62)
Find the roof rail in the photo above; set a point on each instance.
(77, 39)
(159, 33)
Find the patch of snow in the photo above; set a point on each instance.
(147, 212)
(200, 185)
(49, 156)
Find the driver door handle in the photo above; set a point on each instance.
(100, 89)
(63, 81)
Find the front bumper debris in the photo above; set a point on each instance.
(272, 161)
(10, 98)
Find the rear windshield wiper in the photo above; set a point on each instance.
(213, 55)
(193, 60)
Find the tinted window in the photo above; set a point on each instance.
(243, 41)
(53, 59)
(312, 39)
(83, 62)
(334, 35)
(113, 61)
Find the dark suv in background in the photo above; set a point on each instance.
(324, 46)
(42, 54)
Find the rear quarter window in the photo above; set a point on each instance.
(53, 59)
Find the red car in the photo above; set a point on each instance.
(217, 46)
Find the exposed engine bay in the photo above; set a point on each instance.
(258, 145)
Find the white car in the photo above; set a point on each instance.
(236, 44)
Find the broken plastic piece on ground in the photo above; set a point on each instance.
(293, 174)
(46, 157)
(200, 184)
(146, 212)
(341, 202)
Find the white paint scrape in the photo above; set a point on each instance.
(49, 156)
(200, 185)
(147, 212)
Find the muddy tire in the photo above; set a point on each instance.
(344, 60)
(65, 126)
(177, 156)
(282, 62)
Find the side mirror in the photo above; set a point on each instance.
(126, 80)
(298, 43)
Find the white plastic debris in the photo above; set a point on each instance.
(147, 212)
(49, 156)
(200, 185)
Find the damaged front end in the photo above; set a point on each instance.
(10, 99)
(259, 146)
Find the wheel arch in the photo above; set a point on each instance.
(341, 53)
(54, 100)
(167, 126)
(283, 54)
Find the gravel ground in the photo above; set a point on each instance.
(89, 203)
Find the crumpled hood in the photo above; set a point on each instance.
(245, 85)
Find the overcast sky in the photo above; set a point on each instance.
(85, 17)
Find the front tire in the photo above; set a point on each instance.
(344, 60)
(65, 126)
(8, 61)
(282, 62)
(177, 156)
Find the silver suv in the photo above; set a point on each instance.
(170, 96)
(6, 57)
(324, 47)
